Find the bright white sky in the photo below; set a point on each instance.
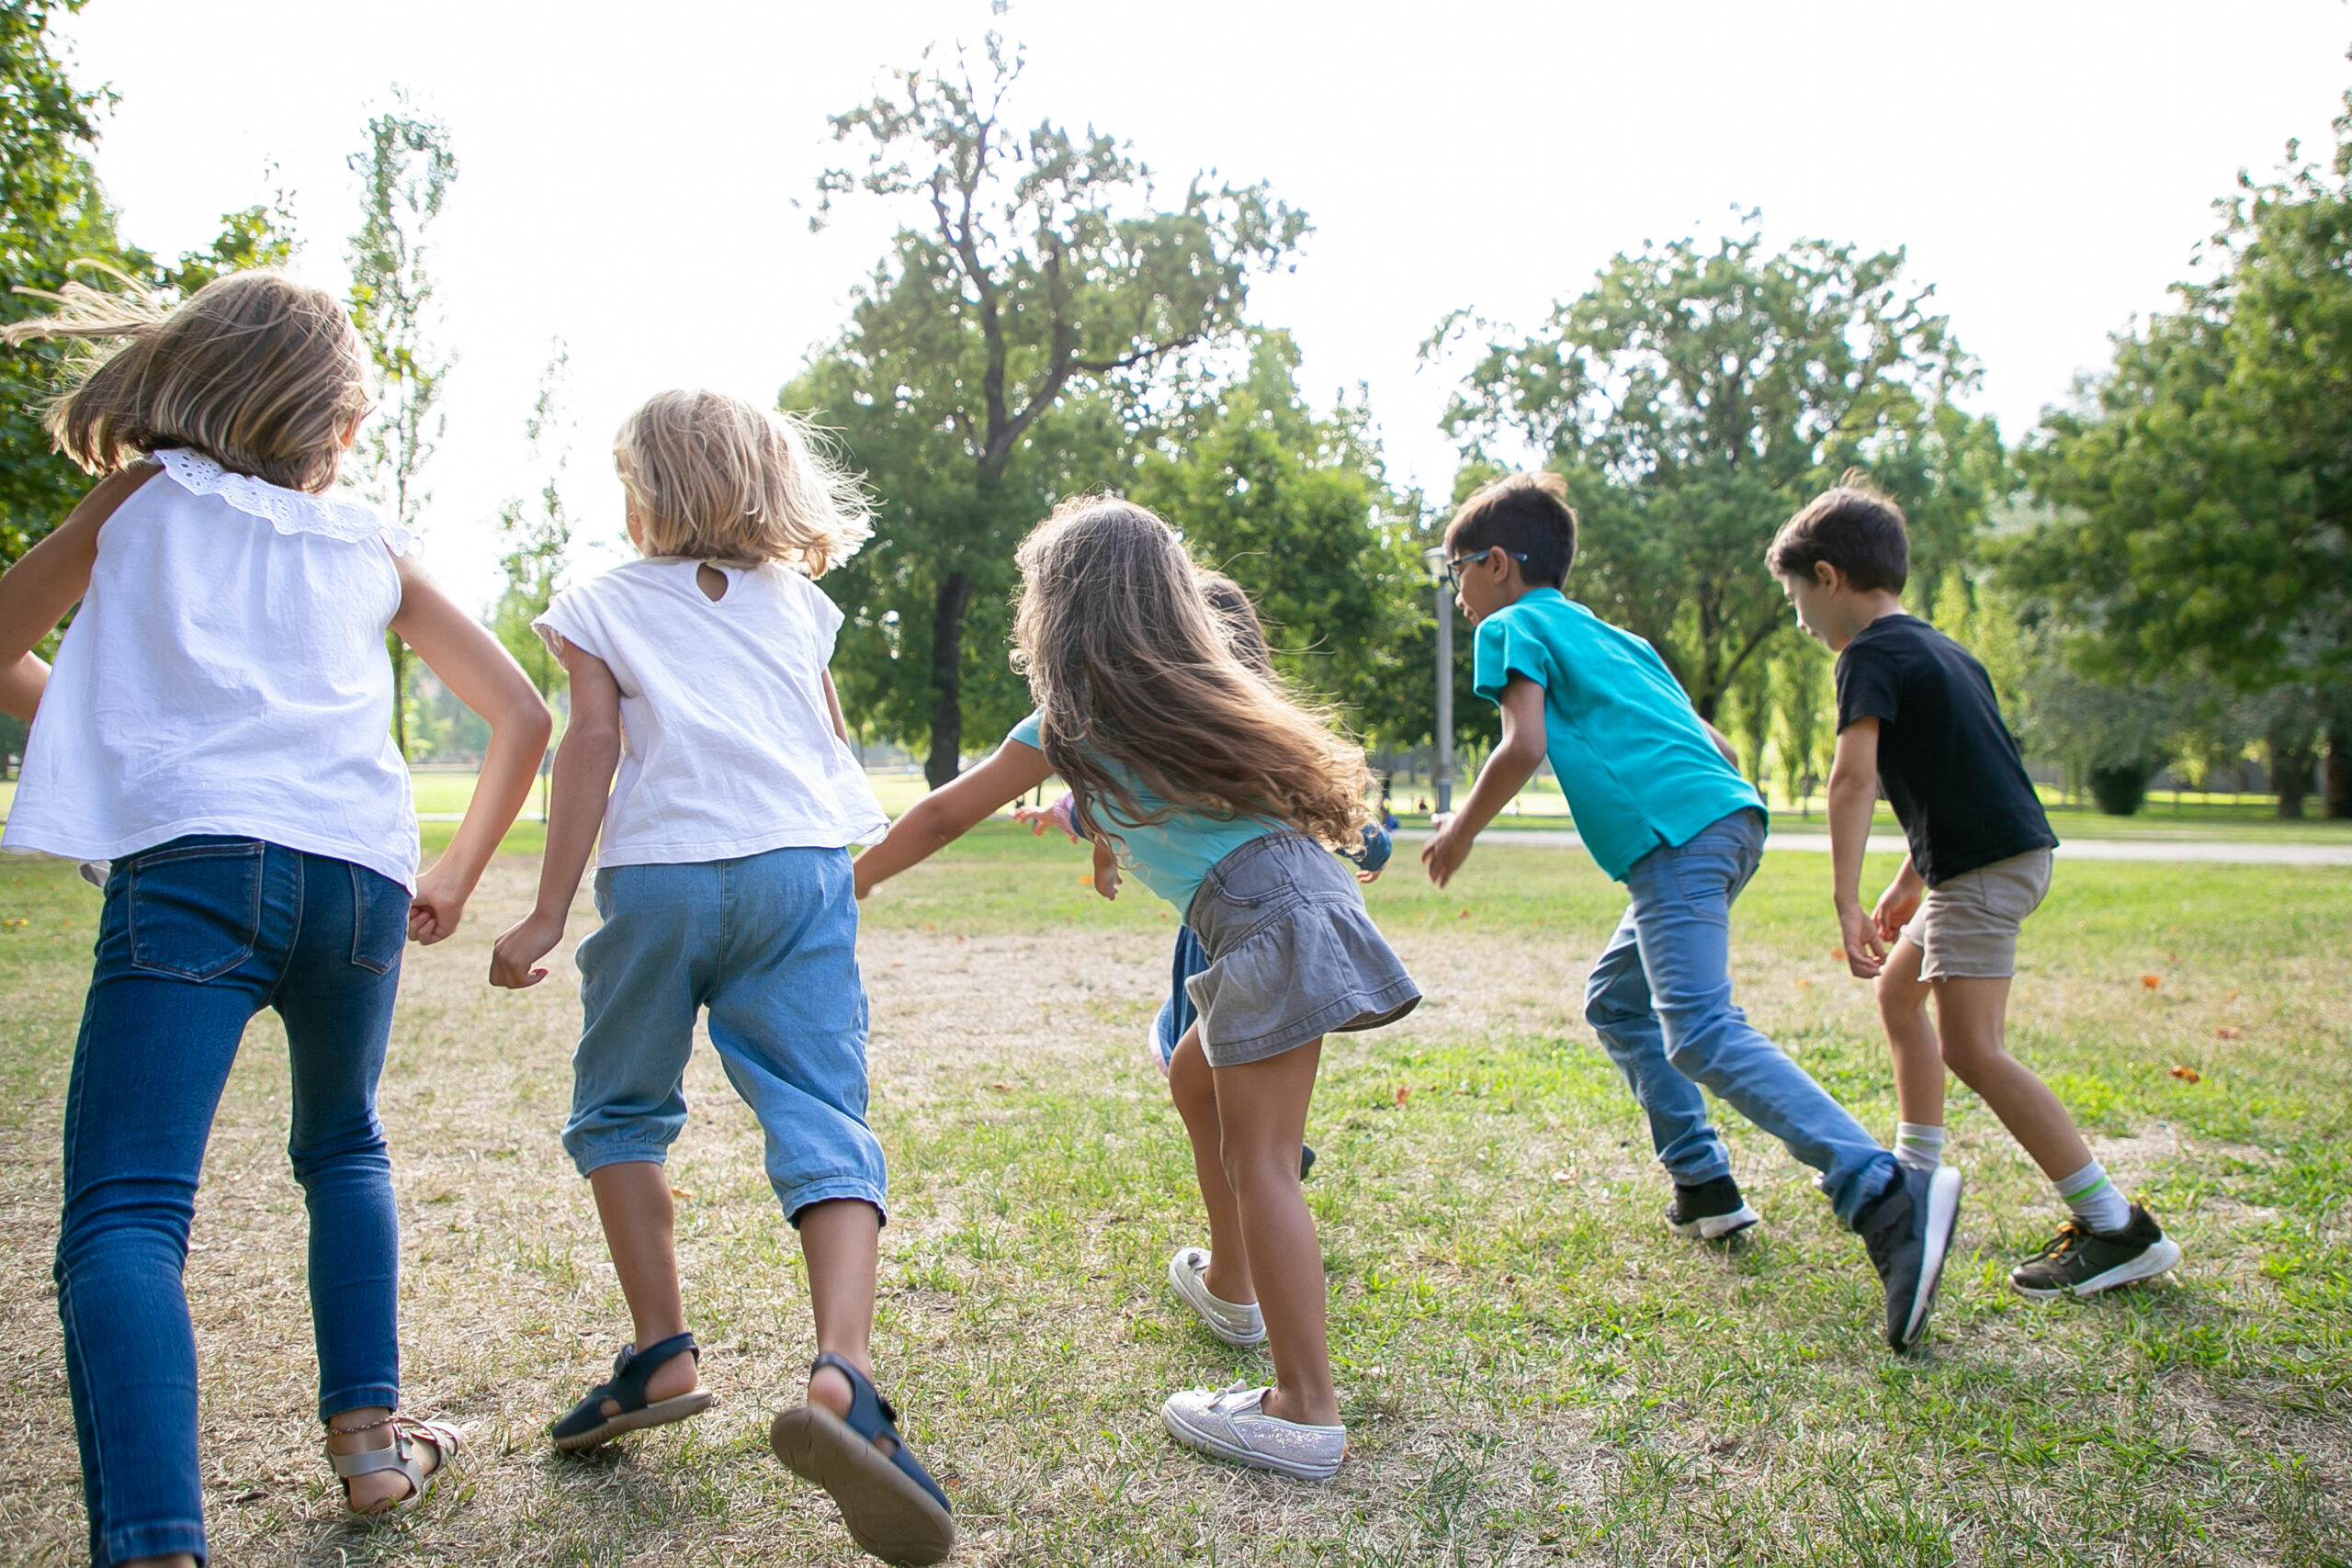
(628, 171)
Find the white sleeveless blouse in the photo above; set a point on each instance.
(226, 674)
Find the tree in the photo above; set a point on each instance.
(2203, 484)
(1297, 510)
(537, 539)
(407, 167)
(1695, 397)
(1000, 357)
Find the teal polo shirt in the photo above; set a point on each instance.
(1632, 758)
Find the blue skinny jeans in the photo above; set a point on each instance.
(1660, 999)
(199, 936)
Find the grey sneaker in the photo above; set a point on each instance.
(2080, 1261)
(1226, 1424)
(1236, 1322)
(1908, 1229)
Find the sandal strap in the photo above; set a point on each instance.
(633, 1368)
(871, 1416)
(400, 1453)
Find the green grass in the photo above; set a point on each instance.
(1532, 1371)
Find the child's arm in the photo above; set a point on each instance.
(49, 580)
(833, 706)
(1853, 795)
(576, 800)
(1512, 762)
(952, 810)
(484, 677)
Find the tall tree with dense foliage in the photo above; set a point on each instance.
(1296, 508)
(406, 170)
(1696, 397)
(999, 357)
(2203, 484)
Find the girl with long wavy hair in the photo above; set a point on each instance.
(1221, 794)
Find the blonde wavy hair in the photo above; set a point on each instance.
(258, 372)
(1140, 684)
(714, 478)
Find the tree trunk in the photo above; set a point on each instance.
(2336, 780)
(2291, 773)
(946, 680)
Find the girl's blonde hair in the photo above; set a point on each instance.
(713, 478)
(1139, 683)
(253, 370)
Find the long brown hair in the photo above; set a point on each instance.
(1139, 686)
(253, 370)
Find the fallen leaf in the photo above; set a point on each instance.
(1804, 980)
(1402, 1094)
(961, 939)
(2150, 981)
(2228, 1031)
(1564, 1177)
(1837, 955)
(1086, 879)
(997, 1087)
(681, 1192)
(2188, 1074)
(1466, 914)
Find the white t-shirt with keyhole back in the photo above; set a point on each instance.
(729, 748)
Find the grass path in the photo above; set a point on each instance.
(1532, 1371)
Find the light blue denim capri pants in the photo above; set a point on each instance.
(768, 944)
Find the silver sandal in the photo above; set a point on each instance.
(400, 1455)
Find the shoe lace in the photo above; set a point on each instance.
(2073, 1233)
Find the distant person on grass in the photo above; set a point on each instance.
(1917, 712)
(1663, 809)
(219, 727)
(723, 882)
(1224, 798)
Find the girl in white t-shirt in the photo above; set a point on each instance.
(724, 884)
(217, 725)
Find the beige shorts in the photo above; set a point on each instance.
(1967, 928)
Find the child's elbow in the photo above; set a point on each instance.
(531, 722)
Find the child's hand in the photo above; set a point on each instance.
(437, 906)
(1369, 877)
(1041, 818)
(520, 947)
(1444, 854)
(1865, 955)
(1896, 905)
(1106, 870)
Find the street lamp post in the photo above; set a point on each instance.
(1442, 779)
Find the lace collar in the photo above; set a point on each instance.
(287, 510)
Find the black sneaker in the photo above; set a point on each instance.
(1710, 1211)
(1908, 1229)
(2081, 1261)
(1305, 1161)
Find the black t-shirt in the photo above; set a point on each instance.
(1951, 768)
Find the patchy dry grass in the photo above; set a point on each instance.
(1533, 1369)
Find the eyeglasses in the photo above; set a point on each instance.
(1450, 573)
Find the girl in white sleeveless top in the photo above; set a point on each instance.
(217, 726)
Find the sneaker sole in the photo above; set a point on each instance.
(1943, 1216)
(1716, 1227)
(1208, 1443)
(2160, 1256)
(1179, 1276)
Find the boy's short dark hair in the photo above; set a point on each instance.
(1527, 514)
(1854, 529)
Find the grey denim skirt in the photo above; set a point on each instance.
(1292, 954)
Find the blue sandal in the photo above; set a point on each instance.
(589, 1427)
(890, 1503)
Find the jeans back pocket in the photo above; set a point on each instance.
(378, 920)
(195, 906)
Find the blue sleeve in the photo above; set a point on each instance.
(1505, 648)
(1029, 731)
(1377, 848)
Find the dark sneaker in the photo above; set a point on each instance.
(1305, 1161)
(2081, 1261)
(1710, 1211)
(1908, 1229)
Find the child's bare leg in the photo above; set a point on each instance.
(1191, 1084)
(841, 1239)
(641, 1227)
(1261, 1112)
(1911, 1036)
(1969, 1015)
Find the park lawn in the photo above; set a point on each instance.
(1532, 1369)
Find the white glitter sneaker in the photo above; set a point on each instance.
(1236, 1324)
(1226, 1424)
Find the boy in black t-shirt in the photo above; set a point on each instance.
(1916, 713)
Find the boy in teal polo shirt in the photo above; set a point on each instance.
(1662, 809)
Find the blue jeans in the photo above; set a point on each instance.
(1177, 1013)
(768, 943)
(1660, 999)
(197, 936)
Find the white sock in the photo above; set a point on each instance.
(2094, 1198)
(1919, 1146)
